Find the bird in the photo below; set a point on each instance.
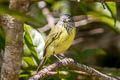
(59, 39)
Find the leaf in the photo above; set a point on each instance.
(29, 61)
(98, 7)
(24, 74)
(2, 38)
(107, 20)
(107, 15)
(34, 41)
(111, 6)
(110, 9)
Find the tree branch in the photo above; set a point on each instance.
(50, 20)
(14, 30)
(69, 62)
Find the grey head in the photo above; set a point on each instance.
(66, 18)
(66, 21)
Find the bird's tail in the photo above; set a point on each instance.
(42, 63)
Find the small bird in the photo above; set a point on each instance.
(59, 39)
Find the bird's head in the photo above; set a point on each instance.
(66, 21)
(66, 18)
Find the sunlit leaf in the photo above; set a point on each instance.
(34, 41)
(107, 15)
(110, 9)
(111, 6)
(24, 74)
(98, 7)
(27, 51)
(29, 61)
(107, 20)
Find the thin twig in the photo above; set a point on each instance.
(79, 72)
(50, 20)
(69, 62)
(83, 20)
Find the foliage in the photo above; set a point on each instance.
(2, 38)
(33, 48)
(34, 40)
(107, 15)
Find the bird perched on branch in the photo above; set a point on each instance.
(59, 39)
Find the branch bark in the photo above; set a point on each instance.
(14, 41)
(70, 63)
(13, 48)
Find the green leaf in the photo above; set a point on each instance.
(107, 15)
(27, 51)
(111, 6)
(97, 7)
(2, 38)
(29, 61)
(34, 41)
(25, 74)
(110, 9)
(107, 20)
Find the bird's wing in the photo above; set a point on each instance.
(54, 34)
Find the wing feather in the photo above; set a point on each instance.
(54, 34)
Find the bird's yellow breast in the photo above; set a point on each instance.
(62, 42)
(66, 41)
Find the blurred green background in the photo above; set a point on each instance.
(97, 42)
